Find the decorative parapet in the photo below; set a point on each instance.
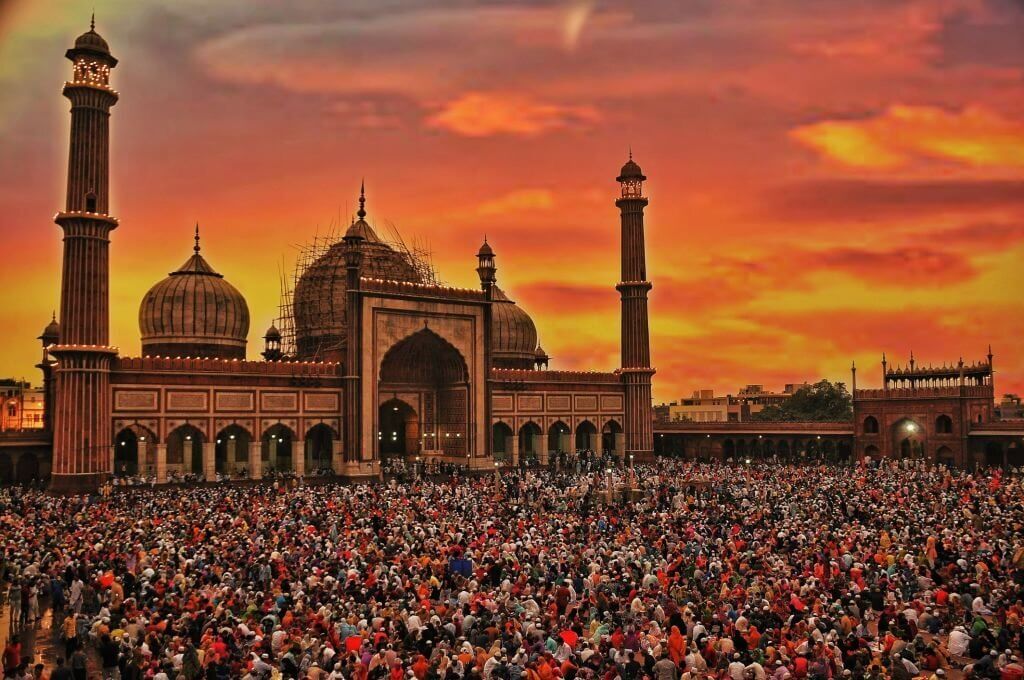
(530, 376)
(372, 285)
(325, 369)
(925, 392)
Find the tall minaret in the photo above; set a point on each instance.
(82, 454)
(636, 343)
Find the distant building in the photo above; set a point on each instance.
(1010, 408)
(23, 406)
(703, 406)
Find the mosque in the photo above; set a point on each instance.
(378, 360)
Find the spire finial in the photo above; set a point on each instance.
(630, 152)
(196, 248)
(362, 199)
(53, 316)
(92, 21)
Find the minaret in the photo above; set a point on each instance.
(636, 343)
(352, 430)
(82, 454)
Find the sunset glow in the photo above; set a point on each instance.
(824, 186)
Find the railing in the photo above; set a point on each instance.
(527, 375)
(286, 368)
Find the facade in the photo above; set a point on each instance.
(944, 414)
(386, 362)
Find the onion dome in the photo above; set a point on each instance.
(319, 300)
(513, 334)
(630, 171)
(194, 312)
(272, 333)
(51, 334)
(485, 250)
(92, 43)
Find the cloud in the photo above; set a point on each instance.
(850, 200)
(901, 265)
(973, 136)
(520, 200)
(482, 114)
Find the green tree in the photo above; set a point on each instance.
(822, 401)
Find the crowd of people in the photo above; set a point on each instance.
(706, 571)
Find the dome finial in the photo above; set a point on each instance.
(196, 248)
(362, 199)
(630, 152)
(92, 21)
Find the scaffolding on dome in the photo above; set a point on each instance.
(416, 255)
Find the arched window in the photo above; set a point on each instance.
(870, 425)
(944, 425)
(90, 202)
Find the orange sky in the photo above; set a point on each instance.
(825, 185)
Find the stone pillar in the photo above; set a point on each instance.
(231, 457)
(161, 463)
(513, 444)
(620, 445)
(299, 457)
(272, 453)
(141, 457)
(565, 442)
(541, 447)
(255, 460)
(337, 456)
(210, 461)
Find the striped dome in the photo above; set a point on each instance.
(513, 334)
(194, 312)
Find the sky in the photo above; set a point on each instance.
(828, 180)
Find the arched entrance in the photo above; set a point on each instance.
(320, 449)
(994, 454)
(231, 453)
(1015, 455)
(558, 437)
(426, 364)
(908, 439)
(6, 469)
(501, 439)
(944, 456)
(728, 449)
(398, 434)
(185, 450)
(529, 441)
(610, 436)
(28, 468)
(586, 436)
(276, 448)
(126, 454)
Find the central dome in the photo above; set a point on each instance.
(194, 312)
(319, 301)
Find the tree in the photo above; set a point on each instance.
(823, 401)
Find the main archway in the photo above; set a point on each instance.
(231, 454)
(908, 439)
(431, 371)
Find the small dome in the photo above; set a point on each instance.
(272, 333)
(630, 171)
(51, 334)
(513, 334)
(194, 312)
(92, 41)
(540, 353)
(485, 250)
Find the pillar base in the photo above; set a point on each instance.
(77, 484)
